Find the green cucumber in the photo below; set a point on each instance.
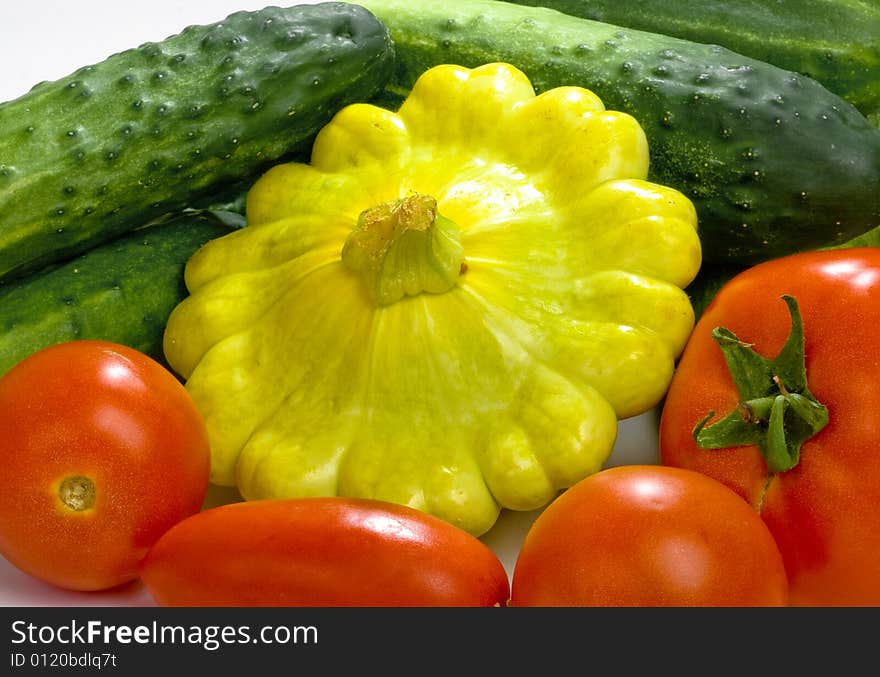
(121, 291)
(773, 161)
(708, 283)
(711, 278)
(150, 130)
(836, 42)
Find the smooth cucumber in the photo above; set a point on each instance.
(773, 161)
(154, 128)
(836, 42)
(121, 291)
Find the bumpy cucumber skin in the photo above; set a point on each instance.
(773, 161)
(836, 42)
(121, 291)
(152, 129)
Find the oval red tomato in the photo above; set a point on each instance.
(823, 512)
(103, 451)
(641, 535)
(329, 551)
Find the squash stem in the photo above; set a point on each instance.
(404, 248)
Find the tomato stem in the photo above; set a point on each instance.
(77, 493)
(777, 412)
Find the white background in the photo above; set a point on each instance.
(49, 40)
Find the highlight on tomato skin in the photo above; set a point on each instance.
(643, 535)
(103, 451)
(322, 552)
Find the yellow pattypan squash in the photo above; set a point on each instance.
(451, 307)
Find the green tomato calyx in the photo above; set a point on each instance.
(403, 248)
(777, 412)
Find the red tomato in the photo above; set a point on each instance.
(322, 552)
(642, 535)
(823, 512)
(103, 451)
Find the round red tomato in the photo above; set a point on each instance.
(330, 551)
(642, 535)
(103, 451)
(823, 510)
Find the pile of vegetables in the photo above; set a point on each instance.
(411, 308)
(390, 268)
